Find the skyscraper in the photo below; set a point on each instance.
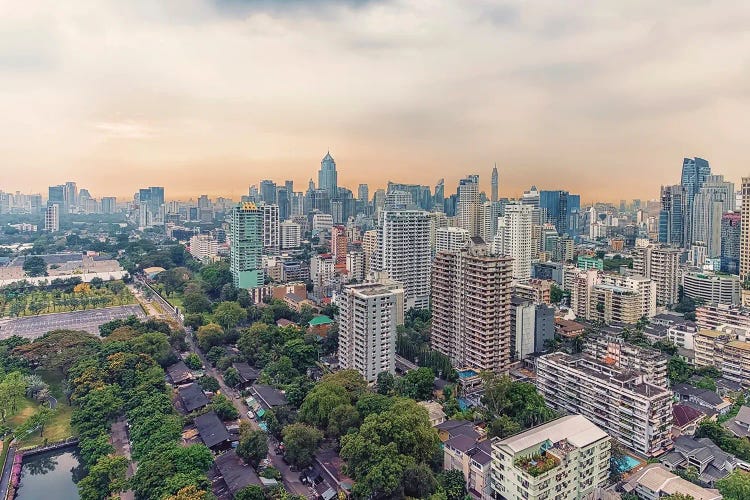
(439, 196)
(671, 215)
(514, 239)
(471, 291)
(71, 194)
(246, 248)
(468, 204)
(271, 231)
(109, 204)
(56, 194)
(495, 185)
(745, 230)
(560, 208)
(404, 252)
(327, 176)
(730, 242)
(268, 192)
(695, 171)
(367, 329)
(714, 199)
(363, 193)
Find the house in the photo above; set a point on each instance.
(708, 459)
(297, 302)
(740, 425)
(567, 328)
(248, 374)
(331, 466)
(654, 481)
(452, 428)
(728, 388)
(283, 323)
(179, 373)
(685, 420)
(236, 473)
(212, 431)
(702, 397)
(474, 458)
(434, 411)
(269, 397)
(192, 397)
(320, 326)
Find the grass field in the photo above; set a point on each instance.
(38, 302)
(58, 429)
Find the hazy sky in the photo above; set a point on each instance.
(599, 97)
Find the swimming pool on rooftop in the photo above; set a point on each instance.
(467, 374)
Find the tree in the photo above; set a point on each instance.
(300, 442)
(210, 335)
(503, 426)
(385, 383)
(191, 492)
(58, 349)
(454, 484)
(12, 391)
(418, 481)
(252, 492)
(736, 486)
(208, 383)
(417, 384)
(104, 479)
(320, 403)
(195, 301)
(231, 377)
(253, 445)
(224, 407)
(229, 314)
(155, 345)
(193, 361)
(35, 266)
(678, 370)
(341, 419)
(707, 383)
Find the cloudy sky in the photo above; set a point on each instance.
(209, 96)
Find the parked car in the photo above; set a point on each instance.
(250, 414)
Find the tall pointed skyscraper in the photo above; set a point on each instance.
(695, 171)
(495, 184)
(327, 177)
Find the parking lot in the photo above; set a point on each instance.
(35, 326)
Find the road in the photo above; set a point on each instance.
(121, 442)
(290, 479)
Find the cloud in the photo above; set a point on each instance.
(591, 97)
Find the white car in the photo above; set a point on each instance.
(250, 414)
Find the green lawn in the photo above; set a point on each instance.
(58, 429)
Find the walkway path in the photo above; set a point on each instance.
(121, 443)
(5, 477)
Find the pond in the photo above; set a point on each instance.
(50, 475)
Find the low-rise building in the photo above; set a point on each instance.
(708, 459)
(566, 458)
(654, 481)
(681, 334)
(740, 424)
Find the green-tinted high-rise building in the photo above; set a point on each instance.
(247, 245)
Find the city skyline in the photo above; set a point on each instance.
(214, 96)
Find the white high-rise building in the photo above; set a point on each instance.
(468, 204)
(204, 246)
(370, 250)
(745, 229)
(52, 218)
(367, 329)
(514, 239)
(660, 264)
(488, 215)
(437, 220)
(271, 240)
(450, 239)
(291, 235)
(322, 222)
(404, 252)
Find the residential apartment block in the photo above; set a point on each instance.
(564, 459)
(711, 316)
(367, 329)
(727, 349)
(613, 349)
(660, 264)
(471, 292)
(638, 414)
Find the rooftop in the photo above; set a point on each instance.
(192, 397)
(270, 396)
(656, 478)
(320, 320)
(211, 429)
(576, 429)
(237, 474)
(179, 372)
